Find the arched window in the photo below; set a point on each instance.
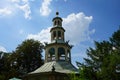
(55, 23)
(61, 53)
(54, 34)
(59, 34)
(68, 55)
(68, 51)
(51, 55)
(52, 51)
(58, 22)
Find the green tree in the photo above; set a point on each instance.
(4, 65)
(103, 62)
(27, 57)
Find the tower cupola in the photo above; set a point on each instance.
(58, 49)
(57, 21)
(57, 31)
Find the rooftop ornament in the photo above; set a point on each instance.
(57, 13)
(53, 68)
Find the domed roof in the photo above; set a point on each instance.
(57, 13)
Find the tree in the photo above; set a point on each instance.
(26, 58)
(103, 62)
(4, 67)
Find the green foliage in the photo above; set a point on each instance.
(26, 58)
(103, 62)
(4, 66)
(73, 76)
(29, 53)
(81, 76)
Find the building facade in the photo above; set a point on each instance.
(57, 64)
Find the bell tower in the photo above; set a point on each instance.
(58, 49)
(57, 64)
(57, 31)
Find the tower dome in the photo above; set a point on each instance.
(57, 21)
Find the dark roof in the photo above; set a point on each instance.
(57, 18)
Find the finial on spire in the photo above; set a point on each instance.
(57, 13)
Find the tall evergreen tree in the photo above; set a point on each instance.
(103, 62)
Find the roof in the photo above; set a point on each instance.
(60, 66)
(57, 18)
(58, 41)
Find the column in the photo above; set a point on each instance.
(56, 53)
(46, 55)
(65, 54)
(70, 56)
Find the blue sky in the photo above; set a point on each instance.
(85, 21)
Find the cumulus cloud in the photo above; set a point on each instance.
(27, 11)
(24, 6)
(5, 11)
(42, 36)
(3, 49)
(44, 9)
(14, 5)
(77, 29)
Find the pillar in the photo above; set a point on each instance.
(56, 53)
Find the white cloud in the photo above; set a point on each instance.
(42, 36)
(76, 26)
(3, 49)
(24, 6)
(44, 9)
(27, 10)
(14, 6)
(5, 11)
(25, 1)
(17, 1)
